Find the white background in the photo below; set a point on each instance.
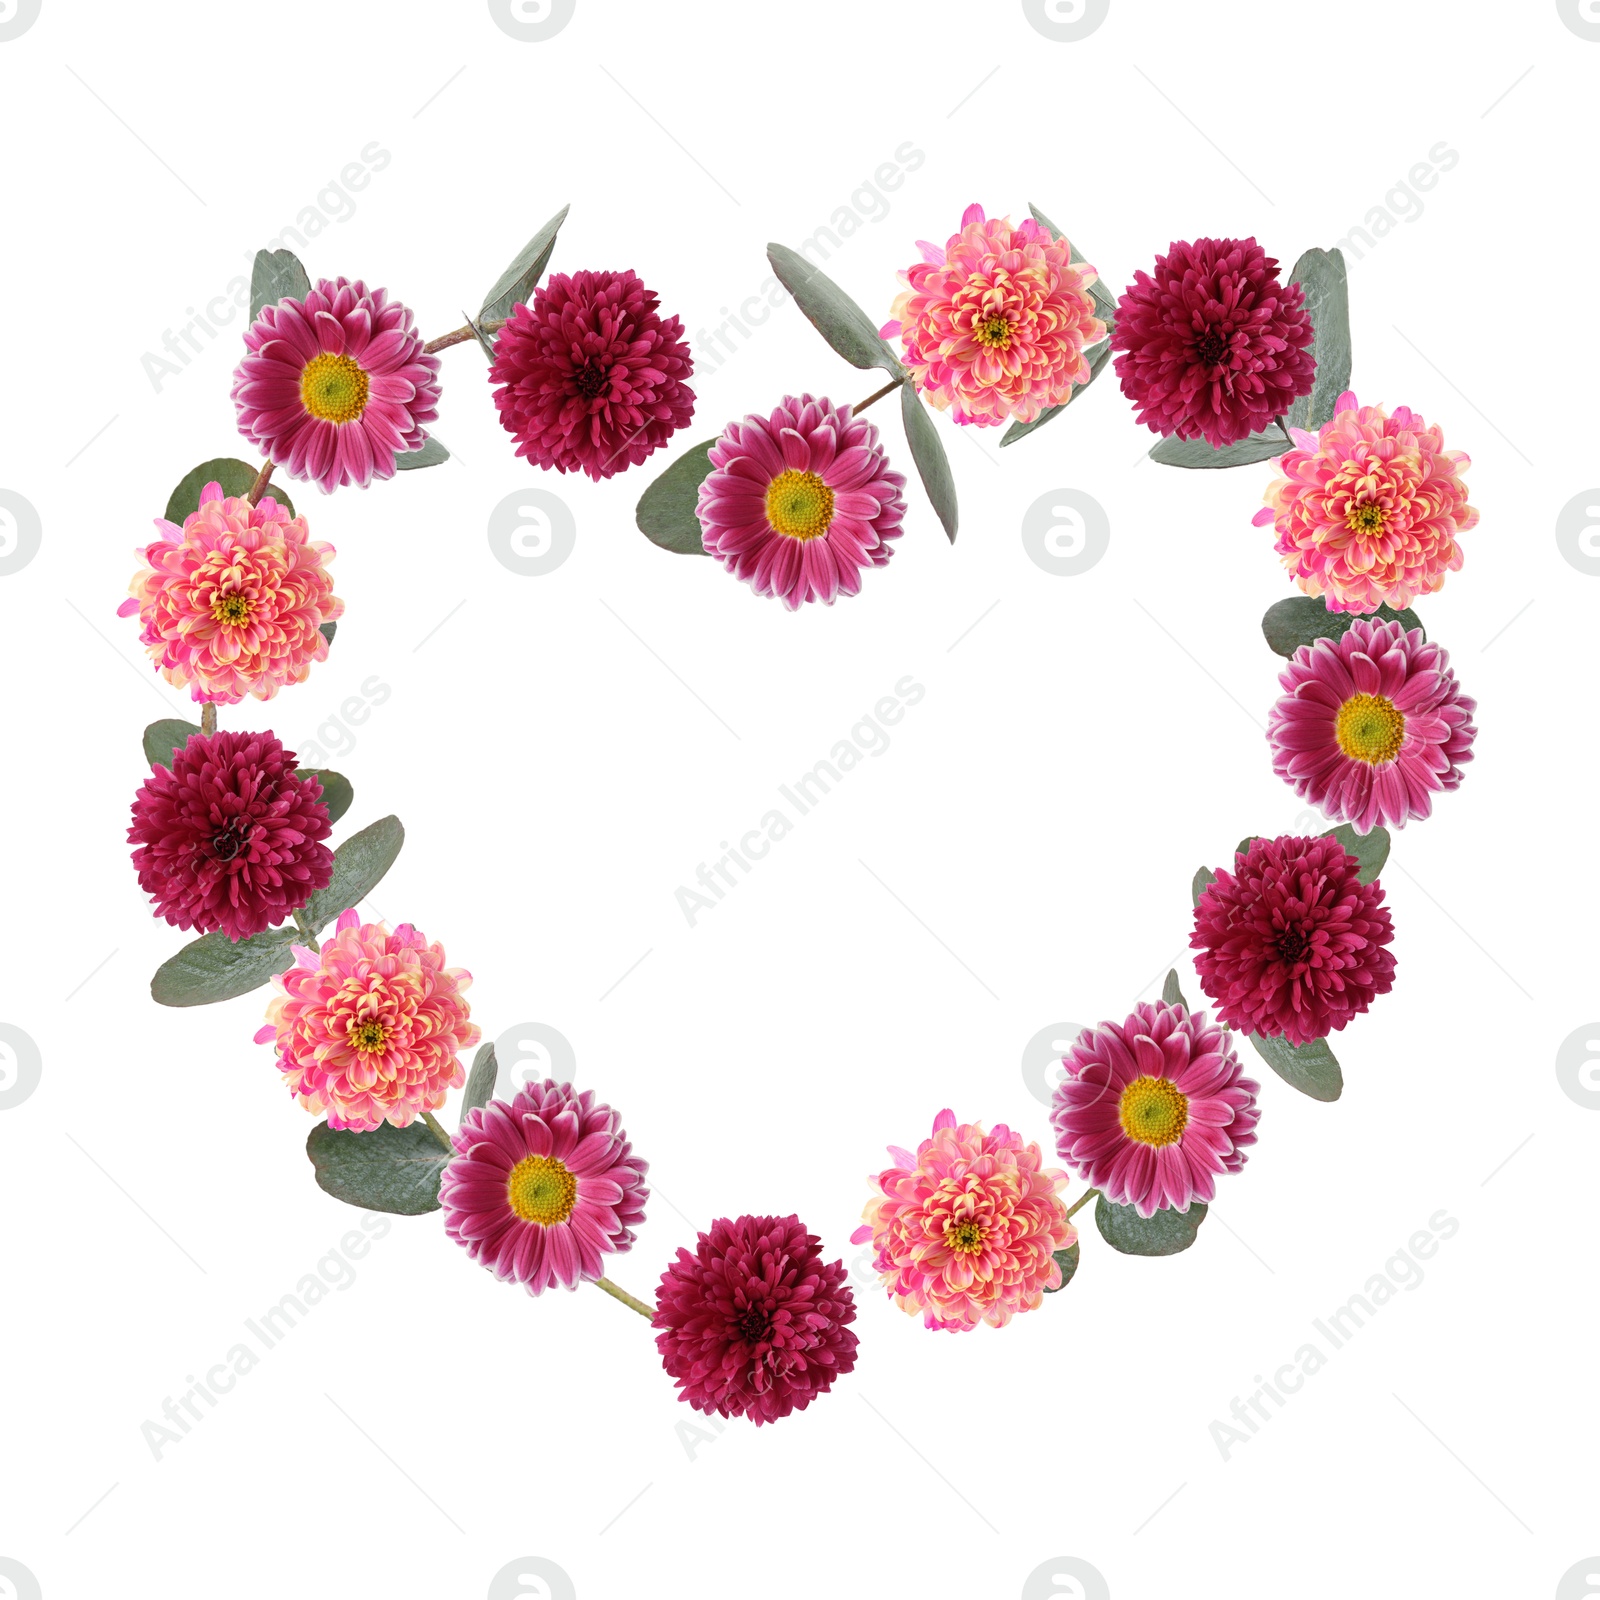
(566, 749)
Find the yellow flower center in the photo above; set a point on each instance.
(1370, 728)
(333, 388)
(799, 505)
(1153, 1111)
(541, 1190)
(232, 609)
(1365, 519)
(965, 1237)
(369, 1036)
(993, 331)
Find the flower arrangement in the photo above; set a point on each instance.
(1230, 361)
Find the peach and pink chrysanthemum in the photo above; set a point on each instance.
(995, 325)
(368, 1028)
(1368, 508)
(233, 602)
(966, 1230)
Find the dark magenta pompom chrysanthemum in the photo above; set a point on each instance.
(1212, 345)
(228, 838)
(754, 1323)
(590, 377)
(1291, 943)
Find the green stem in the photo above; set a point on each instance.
(438, 1132)
(1081, 1202)
(626, 1298)
(461, 335)
(872, 399)
(259, 486)
(304, 926)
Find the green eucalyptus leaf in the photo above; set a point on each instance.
(337, 793)
(1243, 846)
(1321, 274)
(1303, 619)
(1164, 1234)
(933, 466)
(358, 868)
(327, 630)
(277, 275)
(430, 455)
(846, 327)
(1176, 452)
(1020, 430)
(480, 1081)
(390, 1169)
(236, 477)
(1371, 850)
(1067, 1260)
(1311, 1068)
(214, 968)
(1171, 994)
(1203, 880)
(1105, 303)
(516, 284)
(162, 739)
(666, 511)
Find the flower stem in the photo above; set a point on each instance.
(1081, 1202)
(626, 1298)
(260, 484)
(304, 926)
(461, 335)
(872, 399)
(1283, 428)
(208, 718)
(438, 1132)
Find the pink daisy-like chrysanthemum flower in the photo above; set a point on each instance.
(590, 376)
(754, 1323)
(368, 1028)
(965, 1231)
(1371, 725)
(233, 602)
(1369, 507)
(1152, 1109)
(995, 325)
(1291, 943)
(1212, 345)
(333, 387)
(543, 1188)
(229, 839)
(800, 503)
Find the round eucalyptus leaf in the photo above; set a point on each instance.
(236, 477)
(214, 967)
(162, 739)
(1312, 1068)
(1303, 619)
(666, 512)
(1164, 1234)
(1321, 273)
(390, 1169)
(1067, 1260)
(277, 275)
(1263, 446)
